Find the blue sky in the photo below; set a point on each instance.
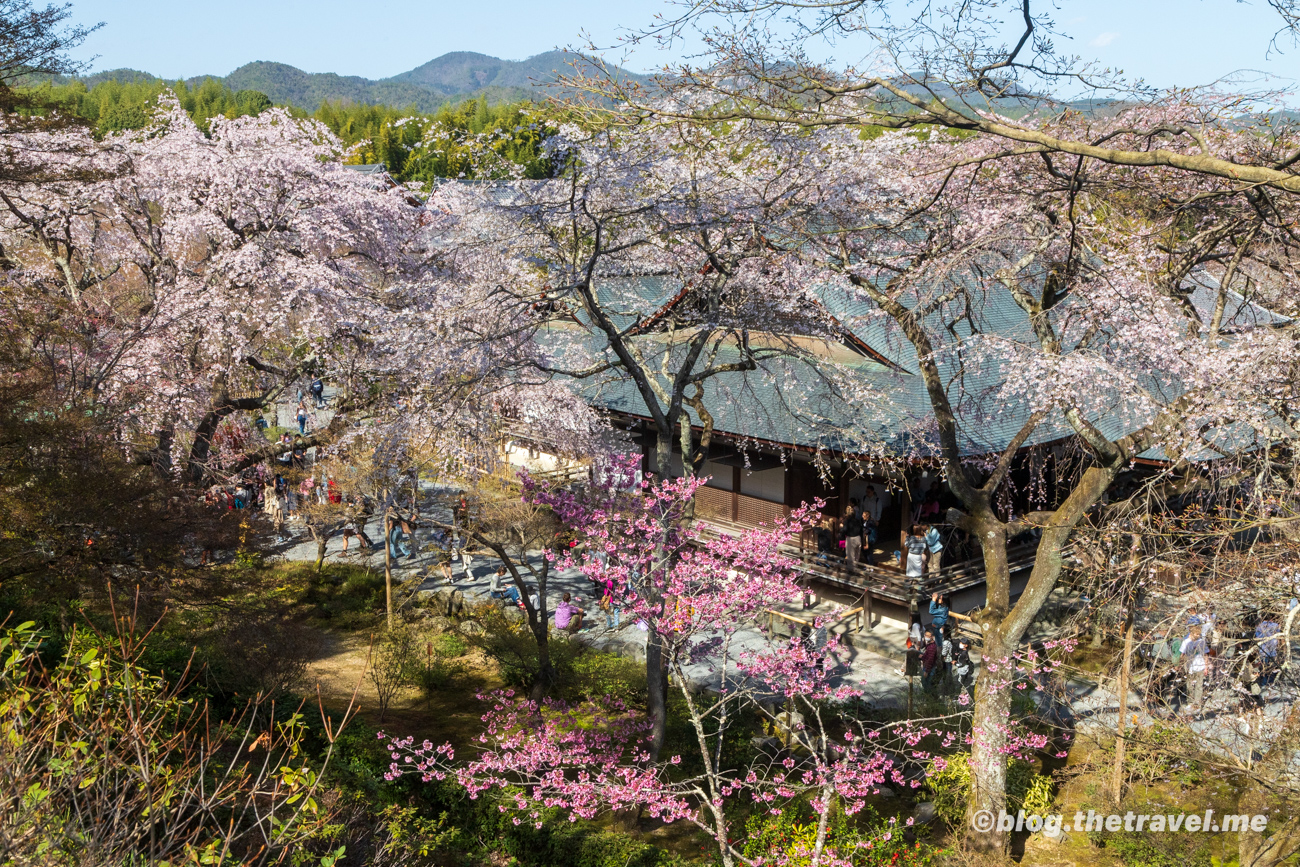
(1166, 42)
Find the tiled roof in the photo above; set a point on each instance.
(805, 401)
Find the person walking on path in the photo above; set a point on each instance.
(466, 558)
(1193, 652)
(304, 491)
(303, 415)
(356, 526)
(931, 664)
(963, 668)
(397, 547)
(609, 603)
(318, 392)
(274, 508)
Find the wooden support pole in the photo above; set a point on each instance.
(1117, 779)
(388, 568)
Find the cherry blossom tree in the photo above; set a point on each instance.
(644, 267)
(594, 756)
(704, 596)
(1074, 302)
(996, 68)
(201, 276)
(1100, 305)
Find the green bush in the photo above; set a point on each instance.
(348, 597)
(1155, 850)
(597, 674)
(439, 673)
(514, 649)
(950, 789)
(1162, 753)
(561, 843)
(449, 645)
(868, 841)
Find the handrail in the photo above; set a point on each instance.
(883, 581)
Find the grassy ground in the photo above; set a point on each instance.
(452, 713)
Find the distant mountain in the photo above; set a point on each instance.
(288, 84)
(470, 72)
(452, 78)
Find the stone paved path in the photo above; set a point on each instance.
(877, 674)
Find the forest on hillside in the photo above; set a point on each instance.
(473, 139)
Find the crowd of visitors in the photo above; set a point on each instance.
(1238, 654)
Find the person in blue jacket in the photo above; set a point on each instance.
(938, 610)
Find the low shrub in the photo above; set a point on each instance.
(448, 645)
(950, 789)
(439, 673)
(1155, 850)
(347, 597)
(596, 674)
(865, 840)
(514, 649)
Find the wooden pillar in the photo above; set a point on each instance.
(866, 610)
(388, 570)
(905, 504)
(735, 495)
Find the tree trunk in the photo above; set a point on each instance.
(546, 674)
(540, 625)
(989, 725)
(988, 742)
(656, 673)
(162, 453)
(1117, 781)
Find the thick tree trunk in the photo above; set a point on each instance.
(656, 672)
(992, 697)
(988, 744)
(540, 625)
(222, 407)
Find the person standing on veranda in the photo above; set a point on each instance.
(915, 553)
(934, 545)
(852, 533)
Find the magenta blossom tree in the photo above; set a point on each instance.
(703, 597)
